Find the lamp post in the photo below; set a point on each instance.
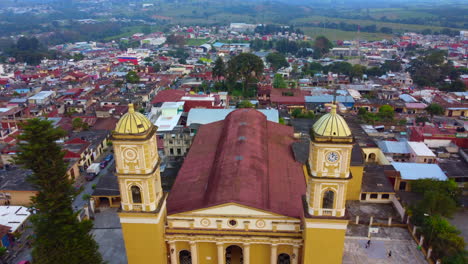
(432, 229)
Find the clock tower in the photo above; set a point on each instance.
(143, 203)
(328, 174)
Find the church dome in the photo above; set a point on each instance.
(332, 125)
(133, 123)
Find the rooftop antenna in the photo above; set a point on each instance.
(358, 41)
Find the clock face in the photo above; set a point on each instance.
(333, 156)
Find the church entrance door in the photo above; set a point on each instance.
(234, 255)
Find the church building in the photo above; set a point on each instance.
(240, 197)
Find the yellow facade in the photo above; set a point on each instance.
(143, 205)
(330, 183)
(227, 233)
(323, 241)
(354, 185)
(144, 239)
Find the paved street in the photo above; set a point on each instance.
(78, 203)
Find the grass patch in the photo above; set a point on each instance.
(395, 26)
(196, 42)
(334, 34)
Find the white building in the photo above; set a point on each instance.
(13, 217)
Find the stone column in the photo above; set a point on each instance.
(246, 253)
(421, 241)
(274, 254)
(371, 220)
(357, 219)
(295, 257)
(173, 252)
(91, 204)
(193, 252)
(429, 251)
(390, 221)
(221, 257)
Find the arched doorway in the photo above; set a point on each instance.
(234, 255)
(185, 257)
(372, 157)
(328, 199)
(284, 259)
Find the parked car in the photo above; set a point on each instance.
(103, 164)
(109, 157)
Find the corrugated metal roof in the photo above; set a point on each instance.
(394, 147)
(206, 116)
(408, 98)
(416, 171)
(326, 98)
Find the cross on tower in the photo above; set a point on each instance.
(334, 95)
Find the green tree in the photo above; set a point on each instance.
(391, 65)
(357, 71)
(439, 197)
(245, 67)
(277, 60)
(132, 77)
(60, 237)
(362, 111)
(278, 82)
(386, 112)
(219, 68)
(296, 113)
(321, 46)
(78, 57)
(245, 104)
(315, 67)
(78, 124)
(444, 238)
(435, 109)
(156, 67)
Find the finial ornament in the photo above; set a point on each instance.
(332, 108)
(131, 109)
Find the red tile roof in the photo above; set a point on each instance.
(168, 96)
(244, 159)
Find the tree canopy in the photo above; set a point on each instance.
(219, 68)
(132, 77)
(245, 67)
(60, 237)
(435, 109)
(278, 82)
(440, 199)
(277, 60)
(321, 46)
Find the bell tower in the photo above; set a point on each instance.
(142, 199)
(328, 174)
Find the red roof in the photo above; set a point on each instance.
(244, 159)
(170, 95)
(71, 155)
(77, 141)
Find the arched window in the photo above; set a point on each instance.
(185, 257)
(136, 194)
(284, 258)
(328, 199)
